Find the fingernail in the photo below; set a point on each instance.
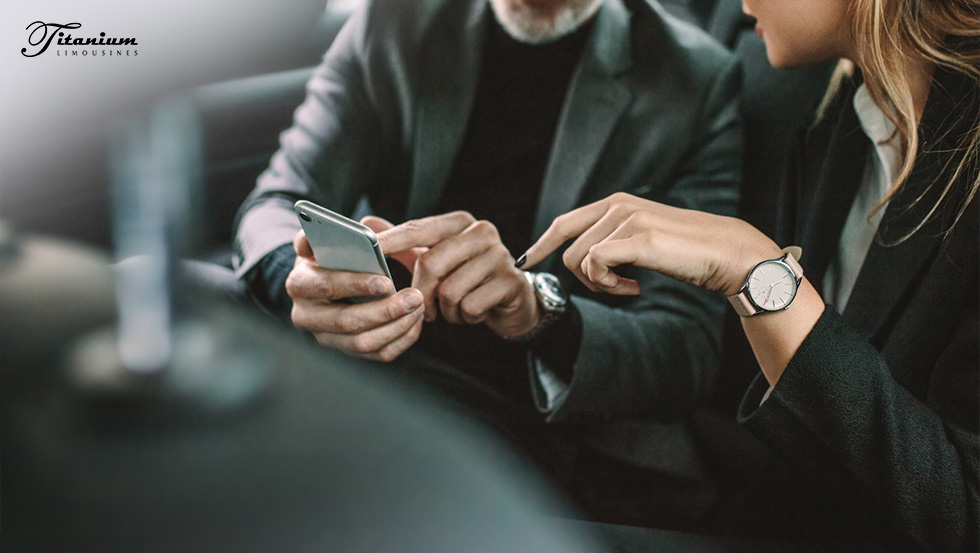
(377, 287)
(411, 302)
(521, 261)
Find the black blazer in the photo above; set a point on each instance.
(873, 428)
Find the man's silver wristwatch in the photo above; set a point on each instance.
(771, 285)
(552, 298)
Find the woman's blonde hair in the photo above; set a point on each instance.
(943, 33)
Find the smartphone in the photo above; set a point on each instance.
(340, 243)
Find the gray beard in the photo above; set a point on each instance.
(523, 24)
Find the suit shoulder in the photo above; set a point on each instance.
(686, 50)
(408, 20)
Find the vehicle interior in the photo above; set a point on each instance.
(227, 453)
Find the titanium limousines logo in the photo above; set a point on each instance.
(41, 35)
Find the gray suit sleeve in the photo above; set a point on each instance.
(327, 155)
(656, 356)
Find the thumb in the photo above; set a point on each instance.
(406, 258)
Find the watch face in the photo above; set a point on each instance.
(550, 289)
(772, 285)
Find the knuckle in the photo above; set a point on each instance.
(619, 197)
(345, 323)
(463, 216)
(388, 355)
(393, 309)
(297, 316)
(412, 231)
(292, 285)
(428, 263)
(469, 309)
(624, 211)
(644, 218)
(411, 227)
(363, 343)
(560, 224)
(324, 288)
(568, 258)
(485, 229)
(364, 286)
(448, 295)
(595, 253)
(500, 252)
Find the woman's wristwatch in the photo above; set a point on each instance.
(771, 285)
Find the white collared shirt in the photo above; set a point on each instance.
(884, 161)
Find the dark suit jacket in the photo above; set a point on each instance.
(877, 413)
(652, 110)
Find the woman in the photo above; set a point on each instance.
(869, 363)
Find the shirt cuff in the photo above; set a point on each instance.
(265, 282)
(551, 358)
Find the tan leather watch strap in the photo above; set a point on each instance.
(793, 255)
(742, 304)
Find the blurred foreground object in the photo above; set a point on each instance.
(183, 424)
(332, 459)
(160, 351)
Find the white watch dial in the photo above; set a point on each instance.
(772, 285)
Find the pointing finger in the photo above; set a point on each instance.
(407, 257)
(424, 232)
(562, 229)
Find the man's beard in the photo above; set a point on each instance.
(539, 26)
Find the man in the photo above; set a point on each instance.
(478, 123)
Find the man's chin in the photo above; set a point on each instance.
(537, 21)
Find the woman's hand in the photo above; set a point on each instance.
(710, 251)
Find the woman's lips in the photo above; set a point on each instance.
(758, 29)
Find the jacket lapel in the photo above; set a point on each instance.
(450, 65)
(825, 197)
(596, 100)
(891, 272)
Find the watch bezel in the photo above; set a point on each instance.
(782, 263)
(554, 305)
(545, 284)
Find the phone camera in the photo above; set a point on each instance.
(304, 217)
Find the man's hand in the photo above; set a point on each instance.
(381, 329)
(464, 271)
